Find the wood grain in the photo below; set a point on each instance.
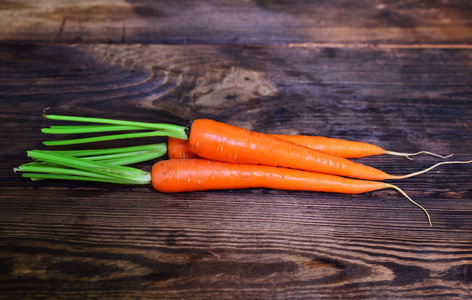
(236, 22)
(396, 74)
(325, 91)
(76, 240)
(288, 245)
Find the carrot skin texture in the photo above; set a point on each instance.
(218, 141)
(189, 175)
(335, 147)
(178, 149)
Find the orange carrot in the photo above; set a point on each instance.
(335, 147)
(345, 148)
(219, 141)
(188, 175)
(178, 149)
(223, 142)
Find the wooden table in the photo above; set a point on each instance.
(398, 75)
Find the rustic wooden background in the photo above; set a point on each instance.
(397, 74)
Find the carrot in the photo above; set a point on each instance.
(223, 142)
(345, 148)
(218, 141)
(178, 149)
(335, 147)
(188, 175)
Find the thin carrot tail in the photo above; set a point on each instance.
(408, 155)
(429, 169)
(411, 200)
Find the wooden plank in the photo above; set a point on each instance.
(236, 22)
(84, 240)
(102, 243)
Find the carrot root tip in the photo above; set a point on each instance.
(412, 201)
(408, 155)
(430, 168)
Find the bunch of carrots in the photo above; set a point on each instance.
(210, 155)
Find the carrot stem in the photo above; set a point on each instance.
(162, 148)
(120, 174)
(41, 176)
(58, 170)
(87, 129)
(106, 138)
(132, 159)
(119, 156)
(172, 130)
(66, 165)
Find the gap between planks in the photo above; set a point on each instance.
(288, 45)
(380, 45)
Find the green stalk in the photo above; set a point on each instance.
(107, 157)
(58, 170)
(121, 174)
(113, 156)
(145, 156)
(87, 129)
(160, 148)
(40, 176)
(106, 138)
(172, 130)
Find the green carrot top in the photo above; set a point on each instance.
(110, 125)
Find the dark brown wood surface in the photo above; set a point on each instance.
(265, 22)
(398, 75)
